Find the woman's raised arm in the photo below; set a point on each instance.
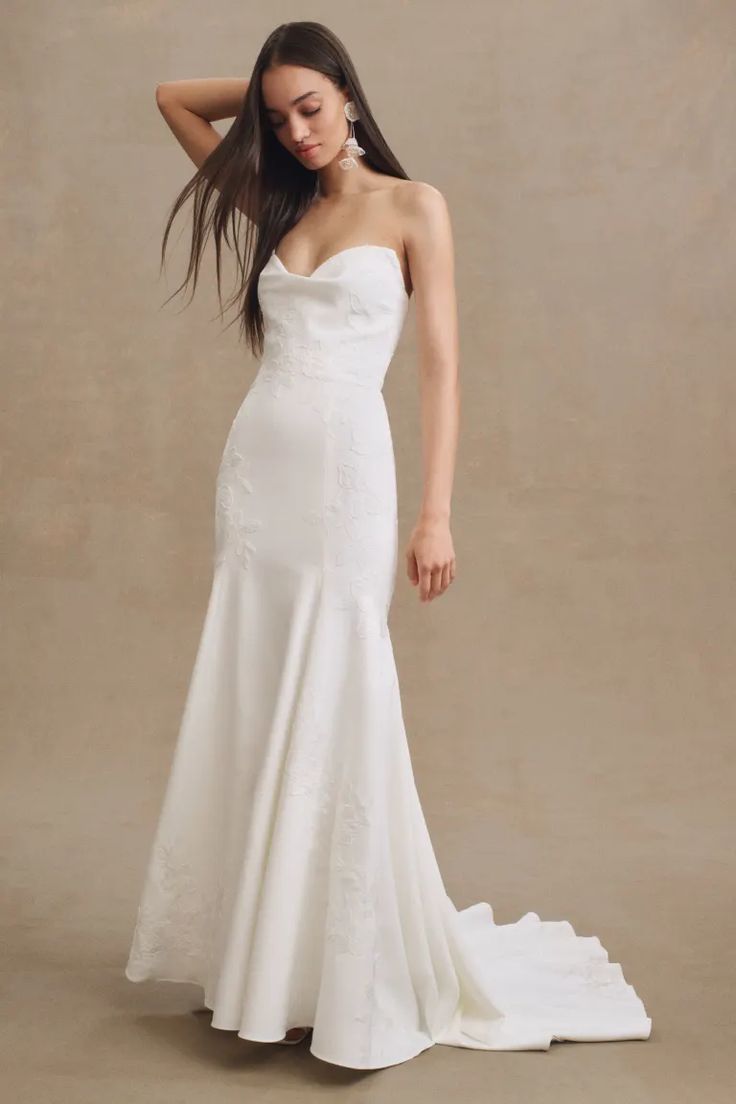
(189, 106)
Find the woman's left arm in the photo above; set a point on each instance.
(430, 555)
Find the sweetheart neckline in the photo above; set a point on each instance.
(348, 249)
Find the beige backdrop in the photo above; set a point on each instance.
(569, 702)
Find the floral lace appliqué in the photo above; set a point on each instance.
(357, 522)
(351, 915)
(235, 525)
(178, 915)
(309, 771)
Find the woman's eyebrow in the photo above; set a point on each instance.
(298, 99)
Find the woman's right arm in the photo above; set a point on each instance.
(189, 106)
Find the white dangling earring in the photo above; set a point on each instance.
(350, 145)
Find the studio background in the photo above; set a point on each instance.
(569, 700)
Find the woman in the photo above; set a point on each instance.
(292, 875)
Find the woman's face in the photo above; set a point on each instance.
(304, 109)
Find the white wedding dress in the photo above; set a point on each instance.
(292, 875)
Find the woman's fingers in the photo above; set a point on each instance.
(433, 581)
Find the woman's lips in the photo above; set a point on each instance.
(309, 150)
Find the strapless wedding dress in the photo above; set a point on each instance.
(292, 875)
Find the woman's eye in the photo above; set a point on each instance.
(277, 125)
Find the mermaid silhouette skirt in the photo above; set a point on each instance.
(292, 876)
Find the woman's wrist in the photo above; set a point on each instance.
(433, 515)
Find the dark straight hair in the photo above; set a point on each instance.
(249, 170)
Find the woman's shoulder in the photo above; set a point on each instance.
(417, 192)
(418, 197)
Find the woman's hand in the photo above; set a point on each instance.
(430, 558)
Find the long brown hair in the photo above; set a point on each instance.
(250, 170)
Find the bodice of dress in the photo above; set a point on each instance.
(341, 323)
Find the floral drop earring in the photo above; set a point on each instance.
(350, 145)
